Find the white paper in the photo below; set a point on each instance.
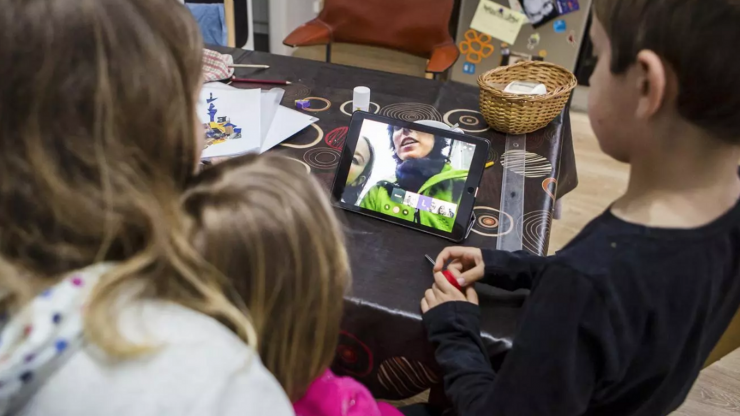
(276, 122)
(286, 123)
(217, 85)
(241, 109)
(229, 148)
(498, 21)
(270, 103)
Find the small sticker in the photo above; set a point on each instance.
(572, 39)
(476, 46)
(543, 54)
(468, 68)
(533, 41)
(540, 12)
(518, 57)
(568, 6)
(560, 26)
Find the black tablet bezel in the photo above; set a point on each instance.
(467, 202)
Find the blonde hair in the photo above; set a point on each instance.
(264, 222)
(97, 143)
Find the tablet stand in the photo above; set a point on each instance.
(471, 225)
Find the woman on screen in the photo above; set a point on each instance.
(424, 180)
(359, 171)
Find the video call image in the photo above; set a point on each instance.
(539, 12)
(408, 174)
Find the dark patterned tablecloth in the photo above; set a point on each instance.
(383, 343)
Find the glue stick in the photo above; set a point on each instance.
(361, 99)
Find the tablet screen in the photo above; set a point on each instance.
(408, 174)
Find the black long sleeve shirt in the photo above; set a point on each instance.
(619, 322)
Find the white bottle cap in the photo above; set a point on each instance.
(361, 99)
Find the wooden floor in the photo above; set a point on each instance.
(601, 178)
(717, 391)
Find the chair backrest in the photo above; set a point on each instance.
(413, 26)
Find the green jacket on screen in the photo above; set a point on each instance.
(448, 186)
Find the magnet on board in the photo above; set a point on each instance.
(560, 26)
(468, 68)
(533, 41)
(572, 38)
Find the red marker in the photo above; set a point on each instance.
(447, 274)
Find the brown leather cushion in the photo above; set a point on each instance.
(308, 34)
(443, 58)
(413, 26)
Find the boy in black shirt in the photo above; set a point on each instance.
(621, 320)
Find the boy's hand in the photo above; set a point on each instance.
(467, 261)
(442, 291)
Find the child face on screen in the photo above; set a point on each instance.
(412, 144)
(359, 161)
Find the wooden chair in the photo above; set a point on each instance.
(239, 21)
(417, 27)
(230, 23)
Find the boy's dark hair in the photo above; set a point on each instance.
(698, 39)
(437, 152)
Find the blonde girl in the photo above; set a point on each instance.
(267, 225)
(107, 309)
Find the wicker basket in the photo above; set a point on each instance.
(521, 114)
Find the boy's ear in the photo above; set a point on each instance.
(651, 83)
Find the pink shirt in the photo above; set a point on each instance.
(330, 395)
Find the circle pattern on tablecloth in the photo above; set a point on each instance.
(335, 138)
(531, 165)
(308, 168)
(551, 133)
(535, 227)
(353, 356)
(411, 112)
(492, 155)
(327, 105)
(343, 107)
(295, 92)
(322, 158)
(546, 187)
(404, 377)
(470, 121)
(488, 222)
(535, 140)
(319, 136)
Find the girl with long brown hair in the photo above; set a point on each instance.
(107, 308)
(267, 225)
